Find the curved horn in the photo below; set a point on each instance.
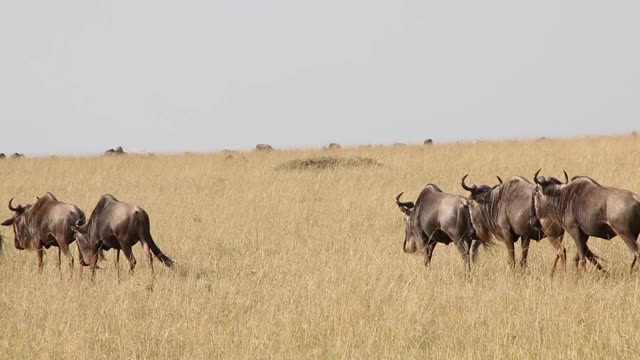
(566, 177)
(12, 208)
(499, 180)
(409, 204)
(464, 186)
(535, 176)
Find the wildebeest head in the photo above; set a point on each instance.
(546, 186)
(478, 191)
(18, 221)
(412, 240)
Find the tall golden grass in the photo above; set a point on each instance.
(309, 264)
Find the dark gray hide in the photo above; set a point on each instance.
(437, 217)
(505, 212)
(46, 223)
(117, 225)
(584, 208)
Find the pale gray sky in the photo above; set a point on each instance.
(79, 77)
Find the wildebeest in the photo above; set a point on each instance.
(2, 156)
(584, 208)
(264, 147)
(46, 223)
(116, 225)
(17, 155)
(333, 146)
(437, 217)
(117, 151)
(428, 142)
(505, 212)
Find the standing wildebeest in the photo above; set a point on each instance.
(2, 156)
(17, 155)
(48, 222)
(116, 225)
(584, 208)
(437, 217)
(333, 146)
(117, 151)
(505, 212)
(264, 147)
(428, 142)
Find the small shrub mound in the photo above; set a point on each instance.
(327, 162)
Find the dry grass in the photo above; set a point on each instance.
(308, 264)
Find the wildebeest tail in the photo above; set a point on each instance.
(145, 233)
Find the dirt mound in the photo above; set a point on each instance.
(327, 162)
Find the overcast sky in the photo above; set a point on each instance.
(78, 77)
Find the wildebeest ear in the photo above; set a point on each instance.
(8, 222)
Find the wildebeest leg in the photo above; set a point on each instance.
(126, 249)
(429, 252)
(117, 263)
(39, 251)
(67, 254)
(147, 250)
(630, 240)
(525, 252)
(94, 263)
(464, 247)
(580, 239)
(561, 253)
(511, 251)
(59, 259)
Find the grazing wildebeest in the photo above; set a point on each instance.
(428, 142)
(437, 217)
(505, 212)
(264, 147)
(584, 208)
(333, 146)
(116, 225)
(17, 155)
(48, 222)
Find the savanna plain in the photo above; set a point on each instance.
(277, 262)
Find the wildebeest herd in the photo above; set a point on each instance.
(518, 209)
(113, 225)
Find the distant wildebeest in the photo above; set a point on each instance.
(264, 147)
(428, 142)
(116, 225)
(48, 222)
(17, 155)
(438, 217)
(584, 208)
(2, 156)
(117, 151)
(333, 146)
(505, 212)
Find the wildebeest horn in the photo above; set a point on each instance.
(19, 208)
(566, 177)
(499, 180)
(408, 205)
(535, 176)
(464, 186)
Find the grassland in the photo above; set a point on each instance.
(308, 263)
